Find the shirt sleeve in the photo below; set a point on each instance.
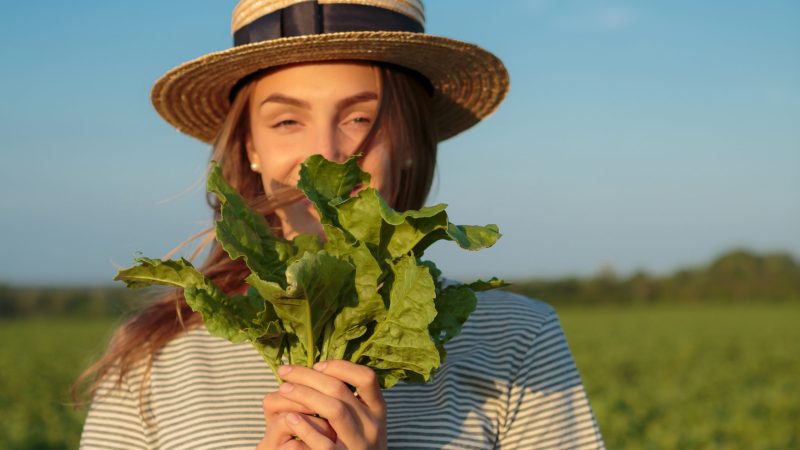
(114, 420)
(547, 405)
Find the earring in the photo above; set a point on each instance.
(254, 167)
(409, 163)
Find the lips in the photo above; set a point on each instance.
(356, 188)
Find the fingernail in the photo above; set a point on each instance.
(320, 366)
(284, 370)
(286, 388)
(293, 418)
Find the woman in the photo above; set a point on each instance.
(337, 78)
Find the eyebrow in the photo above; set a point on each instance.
(341, 104)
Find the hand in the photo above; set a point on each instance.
(351, 420)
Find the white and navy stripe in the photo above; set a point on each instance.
(509, 382)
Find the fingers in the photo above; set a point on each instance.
(307, 433)
(333, 377)
(282, 431)
(326, 389)
(325, 384)
(361, 377)
(276, 405)
(279, 432)
(340, 415)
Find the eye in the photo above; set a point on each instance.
(285, 123)
(360, 120)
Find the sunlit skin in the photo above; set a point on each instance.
(300, 110)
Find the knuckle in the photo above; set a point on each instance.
(338, 412)
(375, 424)
(268, 403)
(342, 391)
(370, 378)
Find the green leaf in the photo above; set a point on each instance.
(325, 182)
(305, 243)
(360, 295)
(224, 317)
(151, 272)
(336, 241)
(369, 219)
(245, 234)
(358, 312)
(400, 346)
(454, 304)
(474, 237)
(468, 237)
(361, 216)
(266, 332)
(435, 273)
(318, 284)
(481, 285)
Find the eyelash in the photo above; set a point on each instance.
(284, 123)
(366, 119)
(289, 122)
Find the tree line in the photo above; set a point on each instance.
(736, 276)
(71, 301)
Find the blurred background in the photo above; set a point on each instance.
(644, 172)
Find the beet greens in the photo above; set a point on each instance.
(362, 295)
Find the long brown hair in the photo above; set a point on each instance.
(404, 115)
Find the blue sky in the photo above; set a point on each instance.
(641, 135)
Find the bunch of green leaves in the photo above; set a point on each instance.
(362, 293)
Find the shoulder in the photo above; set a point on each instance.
(503, 329)
(508, 302)
(508, 312)
(200, 384)
(194, 356)
(197, 354)
(194, 340)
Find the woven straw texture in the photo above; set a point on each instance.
(469, 82)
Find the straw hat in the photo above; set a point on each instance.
(469, 82)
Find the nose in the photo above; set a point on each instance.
(328, 144)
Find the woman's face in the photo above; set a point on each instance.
(319, 108)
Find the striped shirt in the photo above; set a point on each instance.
(508, 382)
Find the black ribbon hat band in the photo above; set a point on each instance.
(310, 17)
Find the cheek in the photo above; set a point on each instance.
(379, 165)
(278, 167)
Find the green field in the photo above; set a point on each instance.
(691, 376)
(39, 359)
(660, 377)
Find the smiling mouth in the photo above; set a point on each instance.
(356, 189)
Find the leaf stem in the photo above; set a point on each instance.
(309, 336)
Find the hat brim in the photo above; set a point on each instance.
(469, 82)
